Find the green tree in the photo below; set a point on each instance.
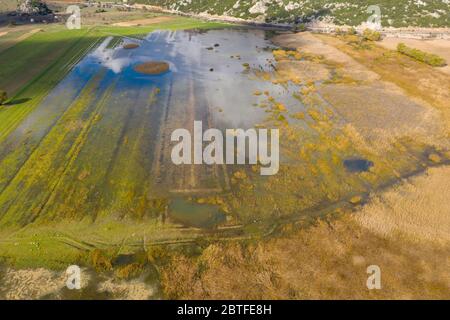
(371, 35)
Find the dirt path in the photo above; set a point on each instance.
(28, 34)
(439, 47)
(18, 39)
(143, 22)
(418, 209)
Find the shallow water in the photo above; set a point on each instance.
(102, 136)
(99, 147)
(358, 165)
(195, 215)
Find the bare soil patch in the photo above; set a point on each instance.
(28, 34)
(418, 209)
(301, 70)
(131, 46)
(152, 67)
(143, 22)
(24, 36)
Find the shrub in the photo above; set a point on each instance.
(340, 32)
(100, 261)
(371, 35)
(3, 97)
(351, 31)
(301, 27)
(129, 271)
(428, 58)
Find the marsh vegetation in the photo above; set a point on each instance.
(87, 178)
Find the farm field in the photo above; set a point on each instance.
(86, 175)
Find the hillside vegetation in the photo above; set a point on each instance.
(401, 13)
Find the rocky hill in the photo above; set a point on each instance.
(30, 7)
(395, 13)
(33, 7)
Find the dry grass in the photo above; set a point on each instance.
(329, 259)
(419, 210)
(41, 283)
(153, 67)
(144, 22)
(381, 112)
(131, 46)
(300, 71)
(18, 39)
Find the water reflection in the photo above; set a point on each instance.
(109, 57)
(214, 60)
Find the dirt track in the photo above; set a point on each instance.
(143, 22)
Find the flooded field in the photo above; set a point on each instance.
(97, 150)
